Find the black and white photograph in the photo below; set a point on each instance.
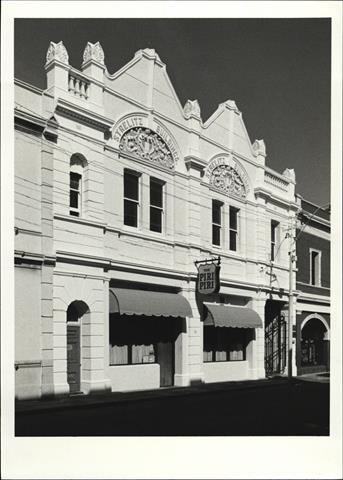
(172, 246)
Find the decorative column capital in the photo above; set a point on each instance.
(57, 52)
(94, 52)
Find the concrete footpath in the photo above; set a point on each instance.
(97, 399)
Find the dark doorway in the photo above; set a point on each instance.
(165, 358)
(275, 338)
(73, 357)
(314, 349)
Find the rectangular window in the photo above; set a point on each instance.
(156, 205)
(223, 344)
(131, 198)
(75, 194)
(216, 222)
(233, 225)
(315, 267)
(273, 239)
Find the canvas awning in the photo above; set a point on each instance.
(127, 301)
(232, 316)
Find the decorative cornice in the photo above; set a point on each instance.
(261, 192)
(191, 161)
(89, 117)
(31, 257)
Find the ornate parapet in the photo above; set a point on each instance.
(93, 52)
(57, 52)
(289, 173)
(192, 109)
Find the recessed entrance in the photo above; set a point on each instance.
(73, 358)
(275, 338)
(75, 312)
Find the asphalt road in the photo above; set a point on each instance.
(273, 409)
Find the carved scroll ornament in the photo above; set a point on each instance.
(146, 144)
(226, 179)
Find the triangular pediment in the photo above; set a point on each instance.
(226, 126)
(145, 80)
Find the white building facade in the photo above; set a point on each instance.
(119, 190)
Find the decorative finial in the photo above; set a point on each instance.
(259, 147)
(94, 52)
(289, 173)
(57, 51)
(192, 109)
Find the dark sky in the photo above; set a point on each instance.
(277, 71)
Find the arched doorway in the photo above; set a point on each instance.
(75, 312)
(314, 345)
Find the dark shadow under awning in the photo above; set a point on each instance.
(231, 316)
(126, 301)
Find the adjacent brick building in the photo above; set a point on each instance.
(313, 285)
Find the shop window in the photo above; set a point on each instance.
(78, 165)
(216, 222)
(131, 198)
(223, 344)
(315, 267)
(233, 226)
(132, 340)
(156, 205)
(274, 229)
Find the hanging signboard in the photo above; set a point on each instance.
(208, 276)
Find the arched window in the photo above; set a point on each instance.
(76, 184)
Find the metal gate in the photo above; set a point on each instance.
(276, 345)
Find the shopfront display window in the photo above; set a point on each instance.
(223, 344)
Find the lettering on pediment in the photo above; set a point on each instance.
(148, 145)
(226, 175)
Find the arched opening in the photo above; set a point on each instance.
(314, 345)
(75, 312)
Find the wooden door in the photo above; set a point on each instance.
(73, 357)
(165, 358)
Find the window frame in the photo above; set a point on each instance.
(219, 204)
(234, 230)
(137, 203)
(161, 209)
(75, 211)
(318, 282)
(274, 227)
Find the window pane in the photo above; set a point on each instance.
(130, 213)
(233, 218)
(216, 235)
(156, 190)
(273, 231)
(119, 355)
(130, 186)
(233, 240)
(155, 219)
(272, 253)
(75, 180)
(74, 214)
(216, 212)
(74, 199)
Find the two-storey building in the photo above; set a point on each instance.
(313, 285)
(119, 190)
